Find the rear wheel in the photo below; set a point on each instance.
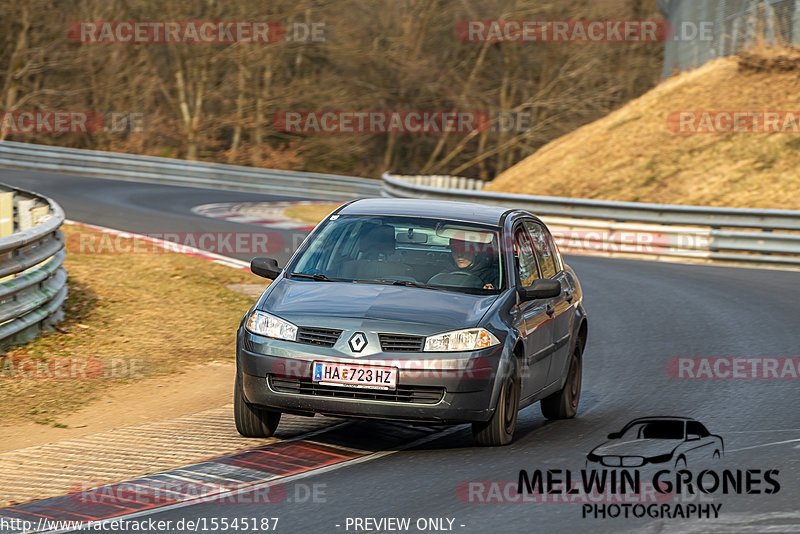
(564, 404)
(252, 421)
(499, 430)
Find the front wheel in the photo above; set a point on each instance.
(499, 430)
(252, 421)
(564, 404)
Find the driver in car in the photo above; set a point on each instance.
(475, 258)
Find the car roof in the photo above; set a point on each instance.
(436, 209)
(660, 418)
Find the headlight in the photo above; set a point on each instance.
(461, 340)
(264, 324)
(660, 459)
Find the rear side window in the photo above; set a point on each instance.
(693, 427)
(544, 248)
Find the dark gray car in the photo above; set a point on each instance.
(415, 310)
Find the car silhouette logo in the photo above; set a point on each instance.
(671, 442)
(358, 341)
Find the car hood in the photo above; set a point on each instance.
(637, 447)
(294, 300)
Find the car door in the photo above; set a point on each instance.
(558, 308)
(700, 447)
(534, 323)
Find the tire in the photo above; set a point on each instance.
(499, 430)
(252, 421)
(564, 403)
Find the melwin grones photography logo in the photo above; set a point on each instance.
(654, 467)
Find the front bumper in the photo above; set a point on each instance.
(431, 387)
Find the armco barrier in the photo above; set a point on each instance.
(181, 172)
(755, 236)
(633, 228)
(35, 285)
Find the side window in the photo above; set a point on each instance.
(693, 427)
(525, 259)
(545, 249)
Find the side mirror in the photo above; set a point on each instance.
(692, 437)
(265, 267)
(541, 289)
(614, 435)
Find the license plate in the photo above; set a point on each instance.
(359, 376)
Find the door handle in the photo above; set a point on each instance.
(568, 298)
(550, 311)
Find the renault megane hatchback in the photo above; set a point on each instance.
(415, 310)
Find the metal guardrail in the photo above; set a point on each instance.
(636, 229)
(32, 297)
(137, 168)
(708, 29)
(755, 236)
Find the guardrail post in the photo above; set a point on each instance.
(796, 24)
(6, 214)
(752, 25)
(32, 278)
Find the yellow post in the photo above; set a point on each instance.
(6, 213)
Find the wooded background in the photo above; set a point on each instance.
(216, 102)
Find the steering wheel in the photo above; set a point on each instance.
(460, 279)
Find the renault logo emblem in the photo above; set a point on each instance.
(358, 341)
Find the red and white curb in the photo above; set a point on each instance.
(269, 214)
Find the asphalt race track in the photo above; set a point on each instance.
(141, 207)
(641, 315)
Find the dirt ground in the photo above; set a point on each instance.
(310, 213)
(640, 153)
(199, 388)
(148, 335)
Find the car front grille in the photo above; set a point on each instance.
(324, 337)
(401, 343)
(403, 394)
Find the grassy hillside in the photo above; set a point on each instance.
(632, 154)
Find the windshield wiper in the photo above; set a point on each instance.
(438, 288)
(317, 277)
(409, 283)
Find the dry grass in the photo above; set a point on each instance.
(158, 312)
(632, 154)
(310, 213)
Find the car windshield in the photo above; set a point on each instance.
(431, 253)
(655, 430)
